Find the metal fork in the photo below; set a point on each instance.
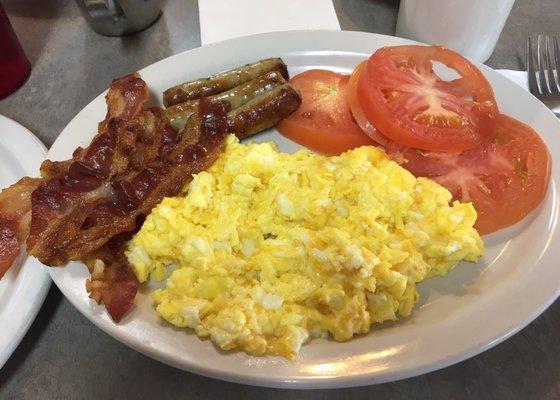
(544, 81)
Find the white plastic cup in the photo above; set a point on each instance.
(470, 27)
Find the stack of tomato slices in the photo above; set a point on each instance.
(448, 130)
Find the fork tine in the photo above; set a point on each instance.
(550, 66)
(531, 74)
(556, 66)
(541, 60)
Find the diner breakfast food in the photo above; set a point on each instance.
(85, 208)
(223, 81)
(262, 250)
(449, 130)
(265, 250)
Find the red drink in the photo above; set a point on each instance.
(14, 65)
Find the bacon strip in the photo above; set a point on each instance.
(71, 187)
(125, 100)
(127, 170)
(112, 282)
(126, 97)
(58, 201)
(15, 213)
(87, 207)
(60, 229)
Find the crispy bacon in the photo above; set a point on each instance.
(82, 172)
(15, 212)
(69, 191)
(154, 138)
(58, 200)
(129, 167)
(77, 212)
(87, 207)
(126, 97)
(112, 282)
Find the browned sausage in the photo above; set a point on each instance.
(223, 81)
(178, 114)
(264, 111)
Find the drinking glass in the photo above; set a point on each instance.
(14, 65)
(471, 27)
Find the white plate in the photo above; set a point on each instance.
(475, 307)
(25, 285)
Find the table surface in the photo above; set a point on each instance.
(65, 356)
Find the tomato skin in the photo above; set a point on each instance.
(408, 103)
(506, 178)
(326, 143)
(323, 121)
(356, 108)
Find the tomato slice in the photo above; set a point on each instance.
(323, 121)
(505, 179)
(356, 108)
(409, 103)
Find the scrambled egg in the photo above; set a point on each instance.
(268, 249)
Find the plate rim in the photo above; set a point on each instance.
(32, 277)
(307, 382)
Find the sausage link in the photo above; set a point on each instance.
(178, 114)
(263, 112)
(222, 81)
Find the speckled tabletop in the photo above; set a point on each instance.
(65, 356)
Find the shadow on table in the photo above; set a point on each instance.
(26, 13)
(33, 336)
(379, 16)
(103, 58)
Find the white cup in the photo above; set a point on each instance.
(470, 27)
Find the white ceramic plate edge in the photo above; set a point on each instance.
(32, 282)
